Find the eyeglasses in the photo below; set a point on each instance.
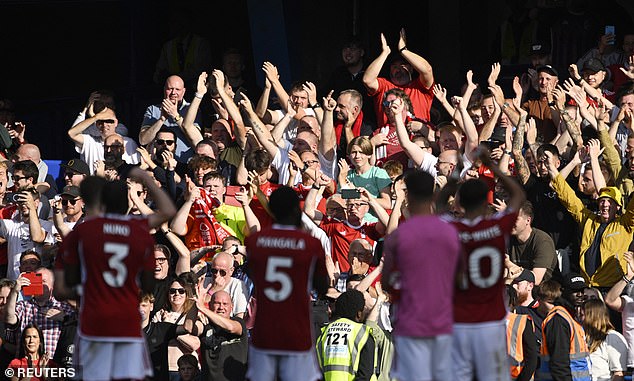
(216, 271)
(72, 202)
(18, 178)
(310, 162)
(160, 260)
(352, 206)
(164, 142)
(180, 291)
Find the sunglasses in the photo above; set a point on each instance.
(164, 142)
(18, 178)
(106, 121)
(65, 202)
(180, 291)
(310, 162)
(216, 271)
(71, 174)
(387, 104)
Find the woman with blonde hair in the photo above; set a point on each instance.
(608, 349)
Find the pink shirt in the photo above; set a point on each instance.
(424, 250)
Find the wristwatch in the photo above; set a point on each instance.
(178, 118)
(316, 105)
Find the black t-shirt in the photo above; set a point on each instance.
(66, 343)
(223, 354)
(550, 215)
(157, 336)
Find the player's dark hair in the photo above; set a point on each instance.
(349, 304)
(527, 209)
(420, 186)
(28, 168)
(284, 204)
(90, 189)
(258, 160)
(114, 197)
(473, 194)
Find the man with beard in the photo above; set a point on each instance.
(418, 89)
(169, 113)
(350, 120)
(531, 249)
(526, 304)
(162, 158)
(114, 147)
(92, 149)
(604, 235)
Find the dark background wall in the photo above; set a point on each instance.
(54, 53)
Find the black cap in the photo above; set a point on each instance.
(77, 165)
(574, 282)
(71, 190)
(539, 49)
(594, 65)
(526, 275)
(548, 69)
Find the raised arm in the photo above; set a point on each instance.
(613, 298)
(424, 69)
(468, 127)
(328, 141)
(231, 107)
(515, 190)
(272, 75)
(441, 94)
(179, 222)
(165, 208)
(261, 132)
(523, 172)
(191, 131)
(371, 75)
(594, 151)
(76, 132)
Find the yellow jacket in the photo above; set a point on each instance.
(620, 172)
(616, 237)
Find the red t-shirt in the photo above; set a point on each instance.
(390, 151)
(23, 363)
(112, 252)
(5, 214)
(420, 96)
(342, 234)
(283, 261)
(480, 297)
(265, 219)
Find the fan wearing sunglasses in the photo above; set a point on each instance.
(179, 303)
(162, 155)
(219, 275)
(68, 210)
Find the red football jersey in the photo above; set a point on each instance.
(341, 234)
(282, 261)
(265, 219)
(112, 252)
(479, 291)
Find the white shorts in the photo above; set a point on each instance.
(288, 366)
(422, 358)
(112, 360)
(480, 347)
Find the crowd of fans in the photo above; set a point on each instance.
(553, 155)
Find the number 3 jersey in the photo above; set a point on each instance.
(480, 278)
(111, 253)
(282, 261)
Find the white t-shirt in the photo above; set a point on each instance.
(628, 326)
(290, 133)
(610, 356)
(18, 237)
(239, 294)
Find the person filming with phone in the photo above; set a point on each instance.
(39, 307)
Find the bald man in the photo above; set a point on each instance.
(169, 113)
(219, 275)
(360, 260)
(32, 152)
(119, 150)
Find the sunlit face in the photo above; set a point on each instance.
(174, 89)
(586, 183)
(358, 158)
(546, 82)
(357, 208)
(222, 267)
(476, 116)
(607, 209)
(221, 304)
(542, 168)
(449, 140)
(177, 296)
(20, 180)
(487, 108)
(107, 127)
(145, 308)
(360, 256)
(335, 210)
(205, 150)
(522, 223)
(299, 98)
(165, 140)
(31, 341)
(627, 101)
(594, 79)
(220, 134)
(200, 173)
(161, 265)
(523, 289)
(216, 188)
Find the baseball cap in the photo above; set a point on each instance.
(78, 166)
(594, 65)
(612, 193)
(71, 190)
(526, 275)
(548, 69)
(539, 49)
(574, 282)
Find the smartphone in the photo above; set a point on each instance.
(348, 194)
(35, 288)
(609, 29)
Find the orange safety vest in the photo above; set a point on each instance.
(516, 324)
(579, 353)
